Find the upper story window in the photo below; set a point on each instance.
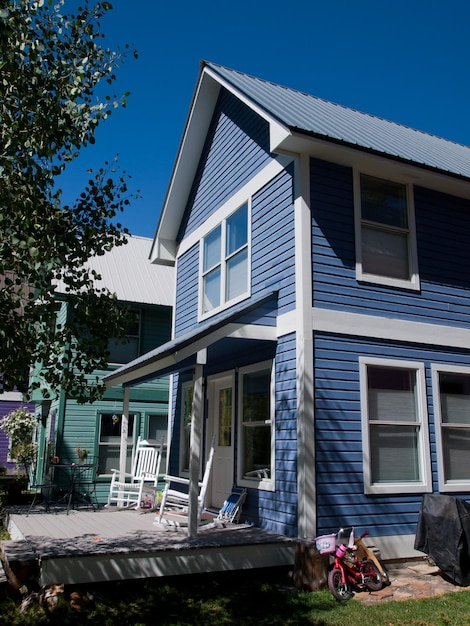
(126, 349)
(451, 388)
(385, 233)
(395, 433)
(225, 262)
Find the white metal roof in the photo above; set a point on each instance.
(127, 271)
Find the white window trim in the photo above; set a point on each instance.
(265, 484)
(452, 485)
(425, 485)
(243, 296)
(414, 282)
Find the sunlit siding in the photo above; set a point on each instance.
(442, 223)
(187, 285)
(273, 259)
(339, 460)
(237, 147)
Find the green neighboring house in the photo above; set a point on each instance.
(65, 425)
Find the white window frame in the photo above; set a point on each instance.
(445, 485)
(224, 304)
(262, 482)
(116, 444)
(413, 282)
(425, 484)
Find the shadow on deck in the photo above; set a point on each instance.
(110, 545)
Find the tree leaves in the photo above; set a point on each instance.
(51, 65)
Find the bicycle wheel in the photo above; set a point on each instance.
(372, 577)
(339, 590)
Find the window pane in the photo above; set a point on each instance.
(110, 442)
(394, 454)
(392, 394)
(384, 202)
(455, 398)
(456, 446)
(256, 396)
(237, 275)
(385, 253)
(211, 249)
(225, 417)
(237, 230)
(211, 287)
(257, 451)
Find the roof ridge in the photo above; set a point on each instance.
(332, 103)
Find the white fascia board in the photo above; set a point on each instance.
(185, 166)
(187, 159)
(156, 364)
(278, 133)
(374, 163)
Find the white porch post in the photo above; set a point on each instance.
(124, 434)
(195, 443)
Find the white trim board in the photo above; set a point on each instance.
(373, 326)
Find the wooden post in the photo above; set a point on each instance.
(311, 567)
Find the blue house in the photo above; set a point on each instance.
(321, 319)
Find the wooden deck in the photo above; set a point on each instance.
(110, 545)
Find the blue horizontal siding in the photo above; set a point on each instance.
(443, 254)
(339, 457)
(237, 147)
(187, 285)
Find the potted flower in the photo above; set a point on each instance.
(19, 425)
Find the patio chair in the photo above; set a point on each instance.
(141, 482)
(175, 499)
(232, 507)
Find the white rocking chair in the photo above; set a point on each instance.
(129, 493)
(175, 501)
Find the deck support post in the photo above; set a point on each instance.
(124, 436)
(196, 443)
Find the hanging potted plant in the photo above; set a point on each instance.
(82, 454)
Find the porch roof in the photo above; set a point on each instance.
(239, 323)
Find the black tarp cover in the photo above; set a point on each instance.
(443, 533)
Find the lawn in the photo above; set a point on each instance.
(231, 599)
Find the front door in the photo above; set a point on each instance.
(221, 404)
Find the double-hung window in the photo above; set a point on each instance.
(385, 232)
(255, 406)
(109, 443)
(225, 262)
(451, 393)
(394, 422)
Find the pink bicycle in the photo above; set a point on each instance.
(348, 571)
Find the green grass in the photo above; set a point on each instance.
(246, 599)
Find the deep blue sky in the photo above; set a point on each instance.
(406, 60)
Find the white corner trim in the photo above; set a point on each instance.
(374, 326)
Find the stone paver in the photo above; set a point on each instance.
(413, 580)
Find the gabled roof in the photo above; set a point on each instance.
(304, 113)
(127, 272)
(293, 114)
